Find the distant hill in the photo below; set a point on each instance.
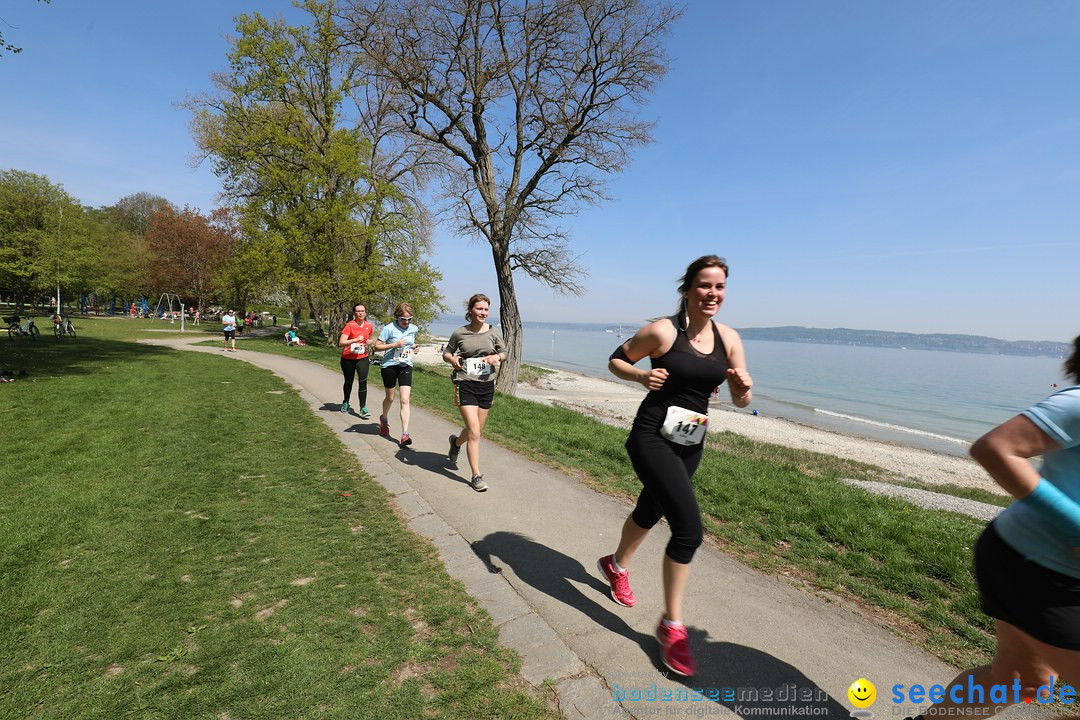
(910, 341)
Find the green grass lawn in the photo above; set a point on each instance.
(181, 538)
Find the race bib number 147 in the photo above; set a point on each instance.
(684, 427)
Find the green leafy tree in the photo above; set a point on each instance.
(46, 239)
(123, 270)
(252, 262)
(31, 210)
(123, 231)
(298, 168)
(134, 212)
(70, 258)
(532, 105)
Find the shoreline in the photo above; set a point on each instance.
(615, 403)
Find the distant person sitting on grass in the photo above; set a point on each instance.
(291, 338)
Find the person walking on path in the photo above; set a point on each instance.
(475, 351)
(397, 342)
(1027, 561)
(228, 323)
(691, 356)
(354, 358)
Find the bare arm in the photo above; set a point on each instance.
(1004, 453)
(653, 339)
(449, 356)
(499, 346)
(381, 346)
(739, 380)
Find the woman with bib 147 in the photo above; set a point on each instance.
(691, 355)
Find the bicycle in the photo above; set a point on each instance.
(16, 328)
(64, 328)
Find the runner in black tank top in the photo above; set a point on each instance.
(692, 378)
(691, 356)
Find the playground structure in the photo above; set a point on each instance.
(171, 313)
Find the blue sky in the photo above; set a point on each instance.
(860, 163)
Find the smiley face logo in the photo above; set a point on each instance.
(862, 693)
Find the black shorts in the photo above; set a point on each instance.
(470, 392)
(396, 375)
(1042, 602)
(230, 334)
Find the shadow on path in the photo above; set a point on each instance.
(560, 577)
(747, 681)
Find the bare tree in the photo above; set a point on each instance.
(532, 105)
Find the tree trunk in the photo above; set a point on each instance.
(509, 318)
(320, 317)
(338, 318)
(297, 307)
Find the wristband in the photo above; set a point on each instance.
(1058, 508)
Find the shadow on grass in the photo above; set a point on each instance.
(50, 357)
(746, 680)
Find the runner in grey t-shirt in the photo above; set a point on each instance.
(475, 351)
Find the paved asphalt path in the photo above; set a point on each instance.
(527, 550)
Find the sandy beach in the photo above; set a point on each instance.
(615, 403)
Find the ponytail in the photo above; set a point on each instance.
(1072, 364)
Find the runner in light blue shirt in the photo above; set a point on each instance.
(228, 322)
(1027, 562)
(397, 343)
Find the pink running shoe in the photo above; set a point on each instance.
(675, 649)
(620, 582)
(384, 426)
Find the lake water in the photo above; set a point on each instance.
(940, 401)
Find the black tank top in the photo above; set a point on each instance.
(692, 377)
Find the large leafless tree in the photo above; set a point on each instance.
(533, 106)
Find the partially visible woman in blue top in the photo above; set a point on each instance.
(1027, 562)
(397, 342)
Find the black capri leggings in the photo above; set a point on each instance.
(665, 470)
(359, 367)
